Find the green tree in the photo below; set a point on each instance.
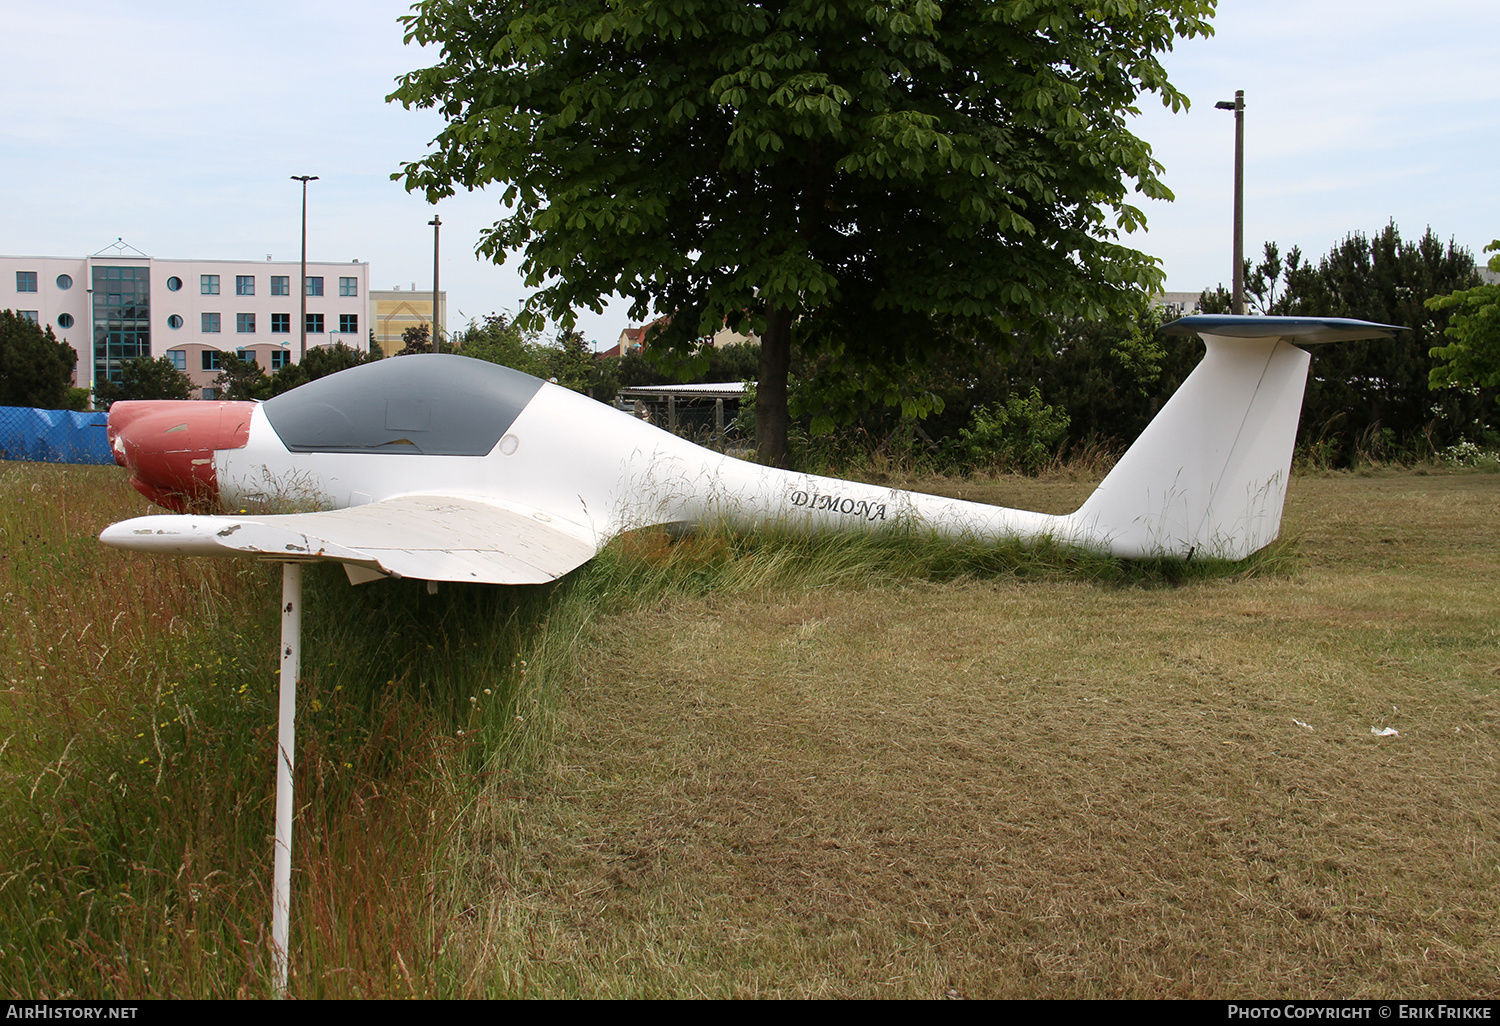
(1023, 432)
(321, 361)
(1111, 376)
(571, 362)
(416, 339)
(144, 378)
(36, 368)
(855, 170)
(500, 339)
(1217, 300)
(326, 360)
(241, 379)
(1472, 358)
(1375, 394)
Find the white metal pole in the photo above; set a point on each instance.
(286, 747)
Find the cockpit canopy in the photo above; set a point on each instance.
(431, 404)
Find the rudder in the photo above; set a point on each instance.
(1208, 476)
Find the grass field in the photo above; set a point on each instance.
(771, 768)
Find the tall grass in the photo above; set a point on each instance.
(138, 730)
(136, 758)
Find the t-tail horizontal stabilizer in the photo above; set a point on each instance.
(1208, 476)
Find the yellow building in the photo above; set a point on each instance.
(393, 311)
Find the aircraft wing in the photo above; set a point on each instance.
(429, 537)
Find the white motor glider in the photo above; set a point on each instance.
(450, 469)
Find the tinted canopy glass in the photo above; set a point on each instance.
(432, 404)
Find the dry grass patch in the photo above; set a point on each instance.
(1014, 789)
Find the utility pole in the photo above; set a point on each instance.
(302, 285)
(437, 224)
(1238, 106)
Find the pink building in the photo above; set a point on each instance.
(120, 304)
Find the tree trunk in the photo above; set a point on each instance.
(771, 419)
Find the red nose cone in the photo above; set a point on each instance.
(169, 446)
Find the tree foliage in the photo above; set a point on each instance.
(325, 360)
(244, 379)
(36, 367)
(568, 360)
(1022, 432)
(1472, 358)
(866, 172)
(1111, 376)
(416, 339)
(1373, 395)
(1108, 377)
(500, 339)
(241, 379)
(144, 378)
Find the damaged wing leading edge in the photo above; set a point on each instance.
(434, 537)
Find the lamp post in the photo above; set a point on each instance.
(437, 224)
(302, 282)
(1238, 106)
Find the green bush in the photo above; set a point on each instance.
(1023, 433)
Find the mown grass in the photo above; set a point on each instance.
(781, 766)
(1040, 787)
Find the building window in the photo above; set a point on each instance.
(315, 324)
(244, 284)
(279, 359)
(179, 359)
(210, 393)
(349, 324)
(247, 355)
(208, 284)
(244, 324)
(211, 323)
(281, 285)
(174, 283)
(281, 324)
(348, 286)
(31, 315)
(314, 286)
(211, 359)
(121, 318)
(64, 320)
(174, 322)
(26, 282)
(65, 281)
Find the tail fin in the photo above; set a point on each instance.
(1208, 476)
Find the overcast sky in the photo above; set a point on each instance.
(176, 126)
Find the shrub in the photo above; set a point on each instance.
(1023, 433)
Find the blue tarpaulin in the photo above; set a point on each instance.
(53, 436)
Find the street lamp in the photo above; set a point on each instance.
(1238, 106)
(437, 224)
(302, 283)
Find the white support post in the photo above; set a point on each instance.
(286, 747)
